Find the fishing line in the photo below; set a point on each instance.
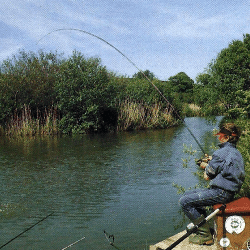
(26, 230)
(129, 60)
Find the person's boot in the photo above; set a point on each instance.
(203, 235)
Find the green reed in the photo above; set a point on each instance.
(139, 116)
(24, 124)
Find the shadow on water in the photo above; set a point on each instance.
(120, 182)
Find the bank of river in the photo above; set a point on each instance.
(121, 183)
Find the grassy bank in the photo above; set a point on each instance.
(131, 116)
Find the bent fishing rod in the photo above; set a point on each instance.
(44, 218)
(130, 61)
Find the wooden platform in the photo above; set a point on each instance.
(184, 245)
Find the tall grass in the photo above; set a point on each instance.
(191, 109)
(138, 116)
(22, 124)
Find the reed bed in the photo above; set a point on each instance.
(23, 124)
(139, 116)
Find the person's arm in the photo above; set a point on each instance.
(213, 167)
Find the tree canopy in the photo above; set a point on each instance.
(230, 71)
(181, 82)
(144, 74)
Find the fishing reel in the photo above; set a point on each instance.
(205, 159)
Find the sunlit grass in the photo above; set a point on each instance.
(24, 124)
(138, 116)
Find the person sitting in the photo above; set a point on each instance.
(225, 171)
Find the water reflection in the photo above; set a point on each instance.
(119, 182)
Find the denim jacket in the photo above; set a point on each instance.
(226, 169)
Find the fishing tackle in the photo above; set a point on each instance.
(129, 60)
(111, 236)
(193, 228)
(73, 243)
(26, 230)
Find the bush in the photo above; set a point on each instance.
(27, 79)
(85, 97)
(242, 109)
(141, 90)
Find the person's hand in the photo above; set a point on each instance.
(203, 165)
(207, 158)
(206, 176)
(204, 161)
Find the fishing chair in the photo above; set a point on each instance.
(232, 229)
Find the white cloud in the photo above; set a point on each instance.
(151, 33)
(196, 19)
(39, 18)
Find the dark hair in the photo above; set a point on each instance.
(233, 131)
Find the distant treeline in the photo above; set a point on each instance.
(47, 93)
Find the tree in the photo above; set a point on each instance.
(144, 74)
(85, 96)
(181, 82)
(230, 71)
(203, 79)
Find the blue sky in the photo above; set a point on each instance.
(164, 36)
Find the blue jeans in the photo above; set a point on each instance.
(194, 202)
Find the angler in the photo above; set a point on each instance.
(225, 171)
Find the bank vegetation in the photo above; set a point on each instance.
(47, 94)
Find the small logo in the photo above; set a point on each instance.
(235, 224)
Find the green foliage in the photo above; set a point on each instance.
(85, 97)
(223, 87)
(180, 189)
(142, 90)
(181, 83)
(203, 79)
(230, 71)
(208, 99)
(189, 149)
(23, 124)
(244, 146)
(27, 79)
(242, 109)
(144, 74)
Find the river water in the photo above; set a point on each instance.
(121, 183)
